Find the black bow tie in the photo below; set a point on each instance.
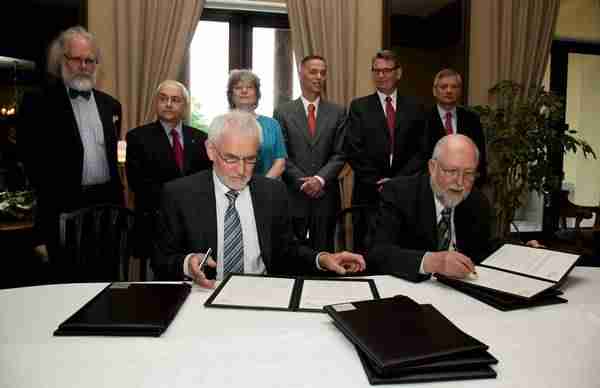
(73, 93)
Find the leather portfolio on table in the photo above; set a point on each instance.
(517, 277)
(127, 309)
(402, 340)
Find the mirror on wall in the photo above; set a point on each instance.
(428, 35)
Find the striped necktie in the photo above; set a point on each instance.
(444, 230)
(233, 248)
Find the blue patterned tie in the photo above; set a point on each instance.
(444, 230)
(233, 248)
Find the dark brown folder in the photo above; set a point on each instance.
(128, 309)
(396, 333)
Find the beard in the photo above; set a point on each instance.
(452, 196)
(79, 80)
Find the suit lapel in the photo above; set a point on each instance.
(207, 211)
(375, 106)
(301, 120)
(429, 213)
(165, 149)
(189, 148)
(322, 118)
(260, 204)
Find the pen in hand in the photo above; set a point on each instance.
(204, 259)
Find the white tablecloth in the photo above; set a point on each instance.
(551, 346)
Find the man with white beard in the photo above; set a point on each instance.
(434, 224)
(67, 136)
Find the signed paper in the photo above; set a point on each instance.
(508, 282)
(319, 293)
(256, 291)
(542, 263)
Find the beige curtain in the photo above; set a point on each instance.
(328, 28)
(151, 41)
(510, 40)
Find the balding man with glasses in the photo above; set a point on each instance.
(242, 218)
(67, 135)
(437, 223)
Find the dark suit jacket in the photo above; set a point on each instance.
(307, 156)
(52, 152)
(188, 223)
(468, 124)
(406, 227)
(150, 161)
(367, 143)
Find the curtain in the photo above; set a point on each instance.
(151, 41)
(328, 28)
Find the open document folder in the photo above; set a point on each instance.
(518, 275)
(289, 293)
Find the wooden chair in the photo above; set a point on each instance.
(95, 244)
(584, 236)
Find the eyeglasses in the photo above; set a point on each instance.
(383, 70)
(469, 175)
(175, 100)
(79, 60)
(234, 159)
(239, 88)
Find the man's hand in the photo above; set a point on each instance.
(311, 186)
(449, 263)
(342, 263)
(380, 184)
(534, 244)
(198, 274)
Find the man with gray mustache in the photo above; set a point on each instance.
(437, 223)
(67, 135)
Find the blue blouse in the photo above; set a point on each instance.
(272, 146)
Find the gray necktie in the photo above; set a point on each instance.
(444, 230)
(233, 248)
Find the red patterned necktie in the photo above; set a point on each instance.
(448, 123)
(390, 114)
(177, 149)
(312, 120)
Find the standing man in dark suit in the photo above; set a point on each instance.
(160, 152)
(67, 135)
(385, 135)
(243, 218)
(436, 223)
(313, 132)
(447, 117)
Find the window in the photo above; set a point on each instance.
(226, 40)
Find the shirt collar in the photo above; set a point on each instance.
(221, 189)
(383, 96)
(167, 128)
(305, 102)
(443, 111)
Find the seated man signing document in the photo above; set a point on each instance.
(243, 218)
(436, 223)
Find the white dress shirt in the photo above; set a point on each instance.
(177, 128)
(442, 112)
(95, 164)
(438, 216)
(383, 96)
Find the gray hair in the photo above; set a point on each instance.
(447, 73)
(439, 146)
(59, 46)
(237, 75)
(237, 121)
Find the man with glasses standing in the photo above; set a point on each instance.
(159, 152)
(436, 223)
(447, 117)
(243, 219)
(385, 136)
(67, 135)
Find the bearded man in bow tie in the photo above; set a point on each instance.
(67, 136)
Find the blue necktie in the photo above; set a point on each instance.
(233, 248)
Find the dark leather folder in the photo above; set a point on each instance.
(475, 371)
(128, 309)
(398, 334)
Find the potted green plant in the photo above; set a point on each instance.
(524, 134)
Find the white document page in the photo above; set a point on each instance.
(508, 282)
(319, 293)
(543, 263)
(256, 291)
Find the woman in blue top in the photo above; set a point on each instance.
(243, 92)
